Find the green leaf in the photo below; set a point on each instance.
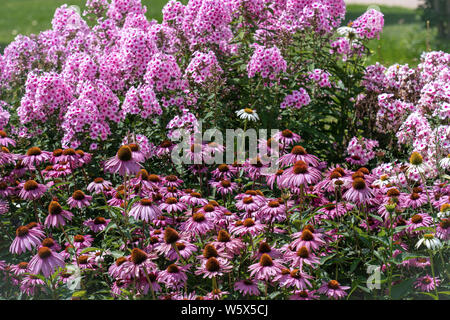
(79, 294)
(400, 290)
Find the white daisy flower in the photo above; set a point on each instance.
(444, 211)
(430, 241)
(247, 114)
(417, 165)
(383, 181)
(445, 163)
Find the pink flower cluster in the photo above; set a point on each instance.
(267, 62)
(297, 99)
(370, 24)
(361, 151)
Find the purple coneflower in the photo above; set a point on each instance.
(224, 186)
(174, 276)
(172, 205)
(359, 193)
(172, 181)
(333, 289)
(227, 244)
(308, 238)
(81, 242)
(418, 221)
(298, 153)
(302, 256)
(46, 261)
(5, 141)
(197, 224)
(265, 268)
(286, 137)
(79, 200)
(214, 267)
(294, 278)
(35, 156)
(300, 175)
(123, 162)
(98, 224)
(273, 210)
(194, 199)
(247, 287)
(139, 264)
(57, 216)
(427, 283)
(224, 171)
(99, 185)
(165, 148)
(248, 226)
(31, 190)
(26, 239)
(304, 295)
(145, 210)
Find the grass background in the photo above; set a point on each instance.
(403, 39)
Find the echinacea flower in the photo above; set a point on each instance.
(302, 256)
(145, 210)
(286, 137)
(31, 283)
(46, 261)
(308, 238)
(224, 171)
(19, 269)
(194, 199)
(427, 283)
(172, 205)
(224, 186)
(248, 226)
(430, 241)
(99, 185)
(184, 248)
(174, 276)
(304, 295)
(98, 224)
(5, 141)
(81, 242)
(294, 278)
(123, 162)
(57, 216)
(26, 239)
(247, 114)
(197, 224)
(139, 264)
(443, 229)
(298, 153)
(172, 181)
(214, 267)
(35, 156)
(79, 200)
(31, 190)
(359, 193)
(227, 244)
(333, 289)
(247, 287)
(418, 221)
(417, 165)
(265, 268)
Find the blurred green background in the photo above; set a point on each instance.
(404, 38)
